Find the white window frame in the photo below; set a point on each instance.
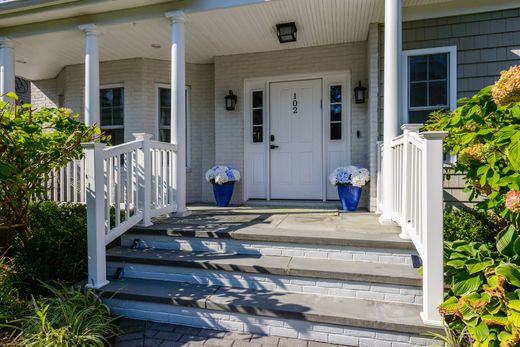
(188, 118)
(452, 76)
(113, 127)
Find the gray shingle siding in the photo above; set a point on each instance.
(485, 44)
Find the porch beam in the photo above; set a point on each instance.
(392, 94)
(91, 112)
(178, 108)
(7, 74)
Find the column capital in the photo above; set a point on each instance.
(90, 29)
(176, 16)
(6, 41)
(412, 127)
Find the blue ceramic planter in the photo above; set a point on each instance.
(349, 197)
(223, 193)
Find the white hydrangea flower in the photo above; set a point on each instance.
(220, 174)
(349, 175)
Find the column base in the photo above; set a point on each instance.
(97, 286)
(182, 213)
(430, 322)
(386, 220)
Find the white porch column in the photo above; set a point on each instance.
(7, 75)
(392, 60)
(91, 74)
(178, 109)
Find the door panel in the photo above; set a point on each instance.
(296, 123)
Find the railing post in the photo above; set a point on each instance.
(144, 174)
(432, 212)
(95, 199)
(407, 129)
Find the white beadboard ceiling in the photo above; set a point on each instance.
(244, 29)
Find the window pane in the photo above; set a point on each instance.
(335, 131)
(117, 136)
(258, 134)
(438, 66)
(335, 113)
(335, 94)
(418, 117)
(106, 116)
(164, 116)
(164, 135)
(438, 93)
(418, 68)
(164, 97)
(117, 116)
(258, 117)
(117, 94)
(106, 97)
(258, 99)
(418, 94)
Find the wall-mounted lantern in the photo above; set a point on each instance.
(359, 94)
(231, 101)
(286, 32)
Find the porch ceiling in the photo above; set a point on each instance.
(234, 30)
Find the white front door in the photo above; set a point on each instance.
(296, 140)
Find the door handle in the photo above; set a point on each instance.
(273, 146)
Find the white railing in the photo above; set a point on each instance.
(124, 185)
(418, 206)
(66, 184)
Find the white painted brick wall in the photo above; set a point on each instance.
(232, 70)
(139, 77)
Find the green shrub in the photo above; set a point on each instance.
(484, 295)
(11, 305)
(470, 225)
(67, 318)
(56, 250)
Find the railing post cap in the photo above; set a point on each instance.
(142, 136)
(412, 127)
(93, 145)
(433, 135)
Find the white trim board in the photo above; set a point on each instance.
(452, 76)
(261, 150)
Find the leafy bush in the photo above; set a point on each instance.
(56, 249)
(11, 305)
(67, 318)
(32, 143)
(470, 225)
(485, 135)
(484, 297)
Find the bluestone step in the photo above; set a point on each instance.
(329, 269)
(366, 314)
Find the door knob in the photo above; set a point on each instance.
(273, 146)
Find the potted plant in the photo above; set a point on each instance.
(349, 180)
(223, 179)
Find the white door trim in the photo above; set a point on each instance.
(342, 77)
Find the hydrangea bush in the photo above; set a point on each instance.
(349, 175)
(221, 174)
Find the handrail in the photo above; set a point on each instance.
(125, 185)
(418, 206)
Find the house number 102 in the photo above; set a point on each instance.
(295, 105)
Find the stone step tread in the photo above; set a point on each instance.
(363, 313)
(354, 237)
(274, 265)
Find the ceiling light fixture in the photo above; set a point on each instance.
(286, 32)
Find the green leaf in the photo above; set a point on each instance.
(491, 319)
(479, 332)
(475, 266)
(506, 240)
(511, 273)
(514, 304)
(449, 306)
(12, 95)
(466, 286)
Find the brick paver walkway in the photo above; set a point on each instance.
(148, 334)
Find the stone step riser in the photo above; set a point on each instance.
(229, 321)
(340, 288)
(345, 253)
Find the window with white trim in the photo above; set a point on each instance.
(336, 111)
(430, 82)
(257, 110)
(111, 100)
(164, 118)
